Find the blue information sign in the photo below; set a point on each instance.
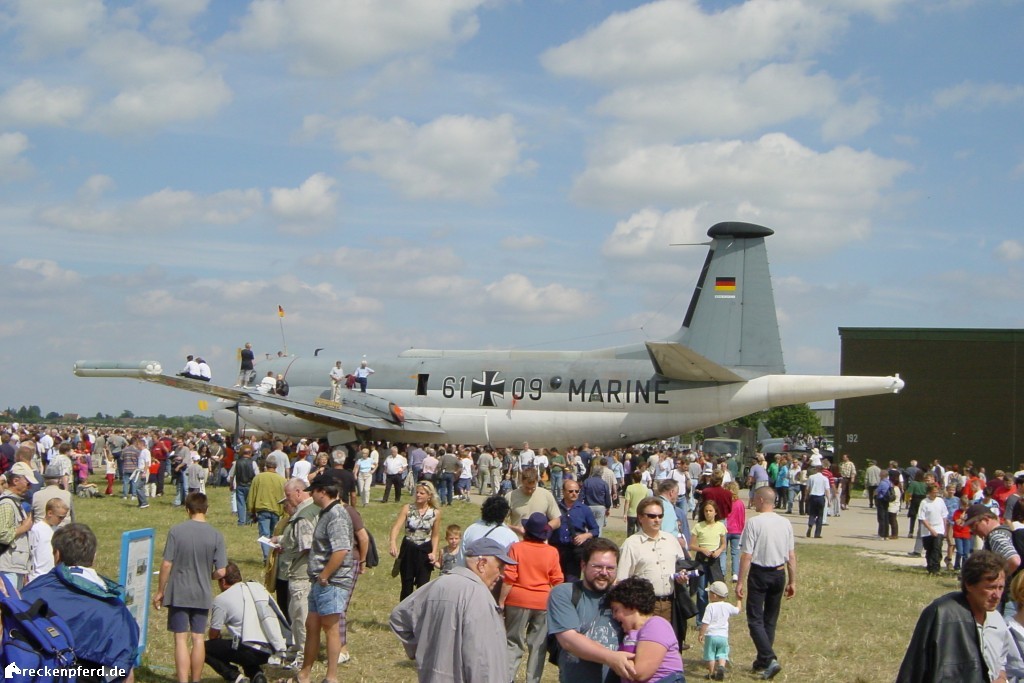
(136, 577)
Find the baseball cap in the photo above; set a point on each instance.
(488, 547)
(322, 480)
(719, 588)
(977, 511)
(23, 470)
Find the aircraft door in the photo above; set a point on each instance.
(462, 427)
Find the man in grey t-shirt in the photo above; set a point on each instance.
(331, 569)
(767, 555)
(193, 551)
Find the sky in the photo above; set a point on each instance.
(489, 174)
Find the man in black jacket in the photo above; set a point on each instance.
(945, 647)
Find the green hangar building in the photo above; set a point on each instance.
(964, 398)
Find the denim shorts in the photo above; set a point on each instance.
(328, 599)
(716, 647)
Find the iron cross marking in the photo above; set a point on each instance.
(490, 384)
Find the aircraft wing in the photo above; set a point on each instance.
(364, 412)
(675, 361)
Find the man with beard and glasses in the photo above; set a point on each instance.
(581, 622)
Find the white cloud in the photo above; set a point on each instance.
(674, 39)
(158, 84)
(31, 103)
(94, 187)
(174, 16)
(649, 232)
(515, 293)
(774, 181)
(50, 27)
(307, 206)
(45, 273)
(715, 104)
(451, 157)
(673, 69)
(977, 96)
(774, 170)
(13, 166)
(1010, 250)
(335, 36)
(161, 211)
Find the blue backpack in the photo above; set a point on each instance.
(35, 643)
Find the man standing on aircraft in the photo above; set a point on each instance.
(246, 370)
(363, 375)
(337, 376)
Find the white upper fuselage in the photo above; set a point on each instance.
(551, 398)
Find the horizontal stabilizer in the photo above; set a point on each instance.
(676, 361)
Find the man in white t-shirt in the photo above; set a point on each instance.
(301, 469)
(142, 472)
(932, 516)
(39, 537)
(526, 457)
(237, 636)
(394, 469)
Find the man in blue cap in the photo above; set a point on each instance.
(459, 618)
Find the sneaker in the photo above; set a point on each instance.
(719, 673)
(735, 578)
(143, 507)
(344, 657)
(771, 670)
(913, 554)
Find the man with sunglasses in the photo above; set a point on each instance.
(578, 525)
(651, 553)
(588, 638)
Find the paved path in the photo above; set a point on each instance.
(856, 527)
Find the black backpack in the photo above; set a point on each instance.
(554, 649)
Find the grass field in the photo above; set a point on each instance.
(850, 621)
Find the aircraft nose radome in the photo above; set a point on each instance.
(897, 384)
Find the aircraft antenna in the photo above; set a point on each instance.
(280, 320)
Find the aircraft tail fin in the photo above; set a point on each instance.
(731, 319)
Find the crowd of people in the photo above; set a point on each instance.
(546, 511)
(557, 588)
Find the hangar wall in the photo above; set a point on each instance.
(964, 397)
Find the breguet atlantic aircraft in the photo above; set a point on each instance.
(724, 362)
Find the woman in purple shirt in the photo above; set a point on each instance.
(651, 638)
